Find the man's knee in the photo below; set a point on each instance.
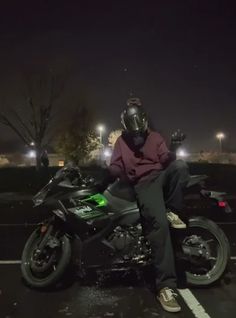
(157, 231)
(179, 166)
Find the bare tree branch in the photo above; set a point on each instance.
(33, 121)
(23, 124)
(6, 121)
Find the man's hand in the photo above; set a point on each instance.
(177, 137)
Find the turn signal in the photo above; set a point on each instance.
(43, 229)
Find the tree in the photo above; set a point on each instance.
(32, 120)
(78, 138)
(113, 136)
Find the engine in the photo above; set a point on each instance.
(130, 244)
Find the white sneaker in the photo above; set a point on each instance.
(167, 300)
(175, 221)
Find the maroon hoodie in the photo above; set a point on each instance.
(137, 163)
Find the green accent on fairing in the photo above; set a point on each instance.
(86, 215)
(98, 198)
(92, 215)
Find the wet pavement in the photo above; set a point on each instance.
(76, 301)
(220, 301)
(121, 299)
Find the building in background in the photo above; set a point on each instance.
(23, 160)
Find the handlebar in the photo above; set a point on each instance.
(67, 173)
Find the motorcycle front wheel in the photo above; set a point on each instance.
(207, 250)
(42, 268)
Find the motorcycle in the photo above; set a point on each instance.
(103, 231)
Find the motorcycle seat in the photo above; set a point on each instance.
(196, 179)
(125, 192)
(122, 190)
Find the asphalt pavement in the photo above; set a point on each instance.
(123, 298)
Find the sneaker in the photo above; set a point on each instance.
(167, 300)
(175, 221)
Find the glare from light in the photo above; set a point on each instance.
(182, 153)
(61, 163)
(32, 143)
(101, 128)
(31, 154)
(107, 153)
(220, 135)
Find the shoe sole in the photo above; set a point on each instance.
(179, 226)
(169, 309)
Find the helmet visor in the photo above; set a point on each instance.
(135, 123)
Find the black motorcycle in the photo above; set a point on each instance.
(103, 231)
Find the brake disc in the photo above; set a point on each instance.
(195, 246)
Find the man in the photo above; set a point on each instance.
(142, 158)
(44, 158)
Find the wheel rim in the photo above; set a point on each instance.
(204, 266)
(43, 267)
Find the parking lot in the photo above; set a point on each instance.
(125, 298)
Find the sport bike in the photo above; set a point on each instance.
(103, 231)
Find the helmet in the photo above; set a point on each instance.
(133, 101)
(134, 119)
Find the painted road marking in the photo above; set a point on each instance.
(193, 304)
(13, 262)
(10, 262)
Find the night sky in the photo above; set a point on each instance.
(178, 56)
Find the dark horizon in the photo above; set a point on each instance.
(177, 56)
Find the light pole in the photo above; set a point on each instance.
(100, 129)
(220, 136)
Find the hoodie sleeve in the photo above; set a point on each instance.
(165, 155)
(116, 167)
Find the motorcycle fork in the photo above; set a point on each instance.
(47, 230)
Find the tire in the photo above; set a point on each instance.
(223, 254)
(29, 276)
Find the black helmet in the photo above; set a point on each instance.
(133, 101)
(134, 119)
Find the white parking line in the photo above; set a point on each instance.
(13, 262)
(10, 262)
(193, 304)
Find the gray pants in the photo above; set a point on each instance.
(154, 197)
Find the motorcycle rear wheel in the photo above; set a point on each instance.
(223, 253)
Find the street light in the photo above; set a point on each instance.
(100, 129)
(107, 153)
(32, 154)
(182, 153)
(220, 136)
